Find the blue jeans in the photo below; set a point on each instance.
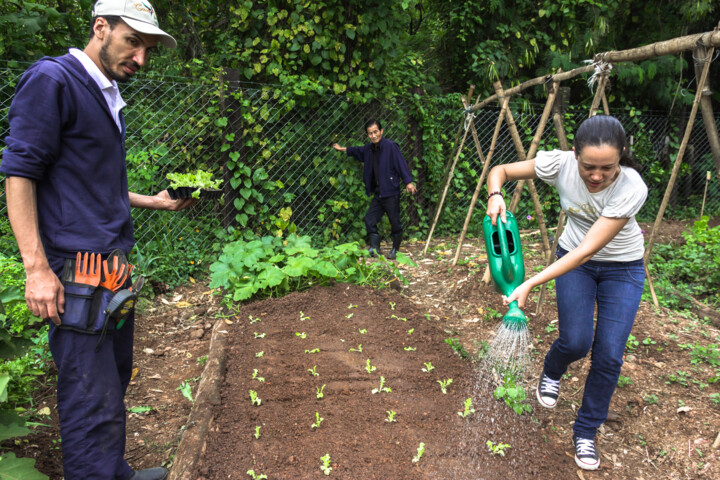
(616, 288)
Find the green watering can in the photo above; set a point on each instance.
(504, 253)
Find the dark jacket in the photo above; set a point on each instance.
(393, 167)
(63, 136)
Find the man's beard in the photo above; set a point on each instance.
(107, 62)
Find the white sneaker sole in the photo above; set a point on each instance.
(585, 465)
(543, 402)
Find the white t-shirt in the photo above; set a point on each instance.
(621, 199)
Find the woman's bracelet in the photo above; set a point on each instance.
(497, 192)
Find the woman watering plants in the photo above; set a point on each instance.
(599, 263)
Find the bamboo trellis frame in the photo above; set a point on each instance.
(703, 45)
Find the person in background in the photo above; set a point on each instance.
(599, 264)
(384, 167)
(67, 192)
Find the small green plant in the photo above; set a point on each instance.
(358, 349)
(420, 452)
(140, 409)
(362, 331)
(301, 334)
(304, 317)
(256, 377)
(202, 360)
(186, 390)
(410, 332)
(631, 344)
(551, 327)
(498, 449)
(325, 467)
(254, 399)
(468, 409)
(715, 397)
(650, 399)
(382, 388)
(390, 416)
(369, 368)
(444, 384)
(314, 350)
(681, 378)
(313, 371)
(318, 421)
(198, 180)
(259, 335)
(392, 305)
(428, 367)
(649, 341)
(402, 319)
(513, 395)
(254, 320)
(257, 432)
(457, 347)
(260, 354)
(409, 349)
(349, 315)
(319, 392)
(427, 316)
(256, 477)
(352, 306)
(623, 381)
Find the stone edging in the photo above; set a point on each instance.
(194, 438)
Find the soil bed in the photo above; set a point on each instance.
(354, 432)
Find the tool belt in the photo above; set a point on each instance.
(95, 298)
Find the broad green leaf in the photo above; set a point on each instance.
(13, 468)
(11, 425)
(298, 266)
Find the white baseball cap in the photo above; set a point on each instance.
(138, 14)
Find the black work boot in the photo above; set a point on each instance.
(374, 244)
(157, 473)
(397, 240)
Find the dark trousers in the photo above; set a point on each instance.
(616, 288)
(91, 388)
(380, 206)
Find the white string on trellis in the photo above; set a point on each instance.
(601, 68)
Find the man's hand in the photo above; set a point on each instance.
(44, 294)
(161, 201)
(337, 147)
(410, 188)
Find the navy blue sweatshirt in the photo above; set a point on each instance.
(393, 167)
(62, 135)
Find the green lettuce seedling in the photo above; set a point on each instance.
(444, 384)
(303, 317)
(383, 388)
(349, 315)
(469, 410)
(362, 331)
(255, 376)
(399, 318)
(358, 349)
(391, 416)
(314, 350)
(254, 399)
(319, 394)
(254, 320)
(256, 477)
(257, 432)
(259, 335)
(259, 354)
(352, 306)
(301, 334)
(325, 467)
(428, 367)
(369, 368)
(498, 449)
(409, 349)
(318, 421)
(392, 305)
(420, 452)
(313, 371)
(199, 180)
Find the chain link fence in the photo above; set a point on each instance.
(275, 153)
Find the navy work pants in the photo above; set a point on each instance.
(616, 288)
(380, 206)
(91, 387)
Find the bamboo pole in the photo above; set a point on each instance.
(706, 109)
(481, 180)
(447, 182)
(702, 209)
(681, 153)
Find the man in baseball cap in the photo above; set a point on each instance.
(67, 192)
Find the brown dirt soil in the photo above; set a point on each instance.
(662, 423)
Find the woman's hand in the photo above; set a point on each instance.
(520, 294)
(496, 206)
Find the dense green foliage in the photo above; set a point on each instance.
(690, 269)
(275, 266)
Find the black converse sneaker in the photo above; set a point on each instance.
(586, 456)
(547, 391)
